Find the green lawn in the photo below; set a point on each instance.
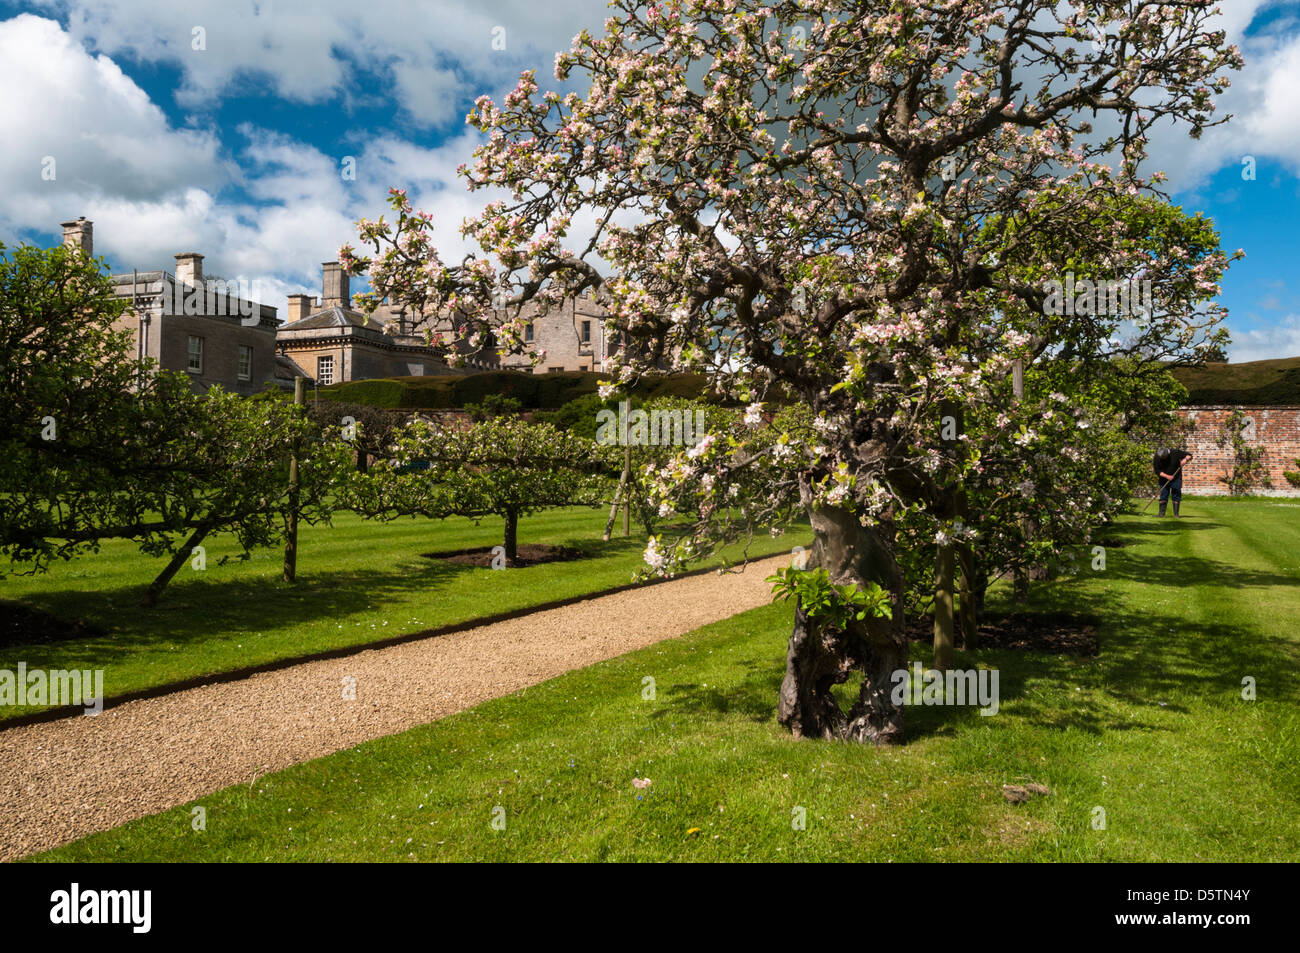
(1154, 731)
(357, 582)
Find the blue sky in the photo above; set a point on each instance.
(222, 128)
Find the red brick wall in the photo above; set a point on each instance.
(1277, 429)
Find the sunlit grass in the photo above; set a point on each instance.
(357, 582)
(1154, 731)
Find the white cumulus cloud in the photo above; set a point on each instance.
(1281, 339)
(430, 54)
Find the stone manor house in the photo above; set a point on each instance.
(189, 324)
(210, 329)
(331, 342)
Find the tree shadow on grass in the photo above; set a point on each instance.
(1177, 572)
(1149, 664)
(1139, 530)
(108, 623)
(1156, 525)
(1161, 655)
(1148, 661)
(1016, 672)
(753, 698)
(599, 548)
(192, 613)
(1150, 656)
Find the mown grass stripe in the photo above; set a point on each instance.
(1204, 777)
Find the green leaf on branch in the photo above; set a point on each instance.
(828, 603)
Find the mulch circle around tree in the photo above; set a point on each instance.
(528, 554)
(1058, 633)
(22, 625)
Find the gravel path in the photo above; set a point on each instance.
(62, 780)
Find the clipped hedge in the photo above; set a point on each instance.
(533, 391)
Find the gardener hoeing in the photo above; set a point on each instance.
(1168, 465)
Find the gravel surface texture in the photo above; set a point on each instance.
(62, 780)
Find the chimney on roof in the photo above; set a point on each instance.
(189, 268)
(300, 306)
(80, 234)
(334, 286)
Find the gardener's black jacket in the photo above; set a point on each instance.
(1168, 462)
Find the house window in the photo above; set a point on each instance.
(556, 370)
(325, 370)
(245, 362)
(528, 333)
(586, 332)
(195, 364)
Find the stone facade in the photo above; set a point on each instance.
(339, 345)
(207, 329)
(1276, 429)
(193, 325)
(572, 338)
(331, 342)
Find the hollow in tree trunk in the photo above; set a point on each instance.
(820, 658)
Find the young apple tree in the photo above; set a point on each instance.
(77, 413)
(101, 445)
(228, 473)
(502, 466)
(836, 202)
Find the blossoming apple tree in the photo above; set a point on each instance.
(855, 205)
(1077, 457)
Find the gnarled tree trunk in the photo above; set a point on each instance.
(818, 658)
